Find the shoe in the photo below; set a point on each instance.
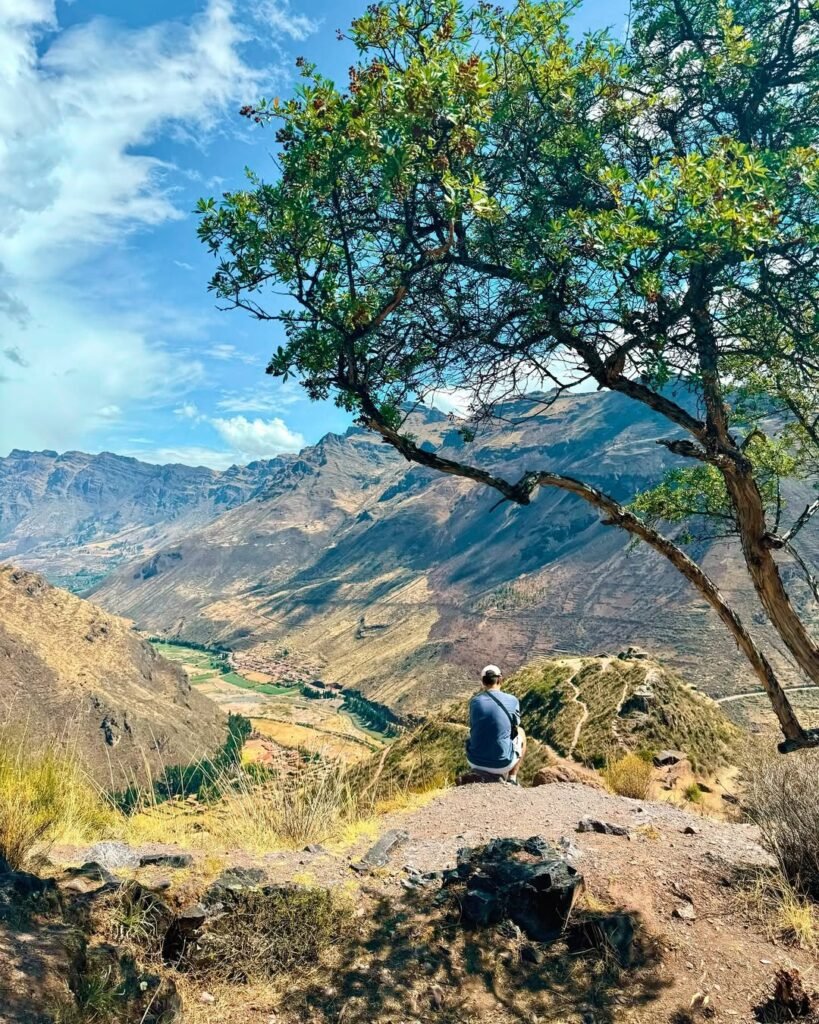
(512, 782)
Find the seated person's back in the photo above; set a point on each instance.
(492, 713)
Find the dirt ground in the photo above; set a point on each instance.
(411, 961)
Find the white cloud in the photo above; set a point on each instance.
(227, 353)
(82, 372)
(268, 13)
(186, 455)
(73, 118)
(263, 398)
(78, 108)
(258, 439)
(188, 411)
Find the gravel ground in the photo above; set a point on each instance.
(438, 830)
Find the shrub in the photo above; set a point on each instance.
(629, 776)
(692, 793)
(781, 797)
(268, 930)
(44, 796)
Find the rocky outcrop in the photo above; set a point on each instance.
(526, 882)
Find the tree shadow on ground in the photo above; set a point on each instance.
(415, 961)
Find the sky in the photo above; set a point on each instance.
(115, 117)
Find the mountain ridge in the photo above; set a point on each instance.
(403, 581)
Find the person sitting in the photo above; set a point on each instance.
(497, 743)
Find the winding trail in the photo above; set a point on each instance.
(584, 711)
(761, 693)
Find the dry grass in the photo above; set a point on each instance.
(45, 796)
(629, 776)
(785, 914)
(267, 932)
(264, 811)
(781, 796)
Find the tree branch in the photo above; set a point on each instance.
(807, 514)
(521, 493)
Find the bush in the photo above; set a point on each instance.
(269, 930)
(781, 797)
(44, 796)
(692, 793)
(629, 776)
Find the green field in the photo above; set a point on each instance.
(208, 665)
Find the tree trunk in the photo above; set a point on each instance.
(738, 474)
(765, 574)
(620, 516)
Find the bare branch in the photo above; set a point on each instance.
(807, 514)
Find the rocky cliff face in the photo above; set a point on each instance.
(73, 512)
(405, 582)
(70, 673)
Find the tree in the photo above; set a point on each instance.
(493, 205)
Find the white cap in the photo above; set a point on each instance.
(491, 670)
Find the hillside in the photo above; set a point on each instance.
(402, 583)
(71, 672)
(596, 708)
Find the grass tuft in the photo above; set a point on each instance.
(45, 796)
(781, 796)
(629, 776)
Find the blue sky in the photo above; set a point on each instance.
(115, 116)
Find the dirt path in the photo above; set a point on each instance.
(761, 693)
(584, 713)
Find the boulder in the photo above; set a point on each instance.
(634, 654)
(379, 854)
(526, 882)
(668, 757)
(112, 854)
(563, 771)
(604, 827)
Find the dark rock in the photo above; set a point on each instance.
(689, 830)
(729, 798)
(166, 860)
(472, 778)
(633, 654)
(668, 757)
(238, 878)
(314, 848)
(613, 933)
(528, 883)
(604, 827)
(21, 890)
(91, 870)
(379, 854)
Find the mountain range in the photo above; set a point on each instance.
(402, 582)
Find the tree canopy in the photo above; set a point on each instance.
(491, 204)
